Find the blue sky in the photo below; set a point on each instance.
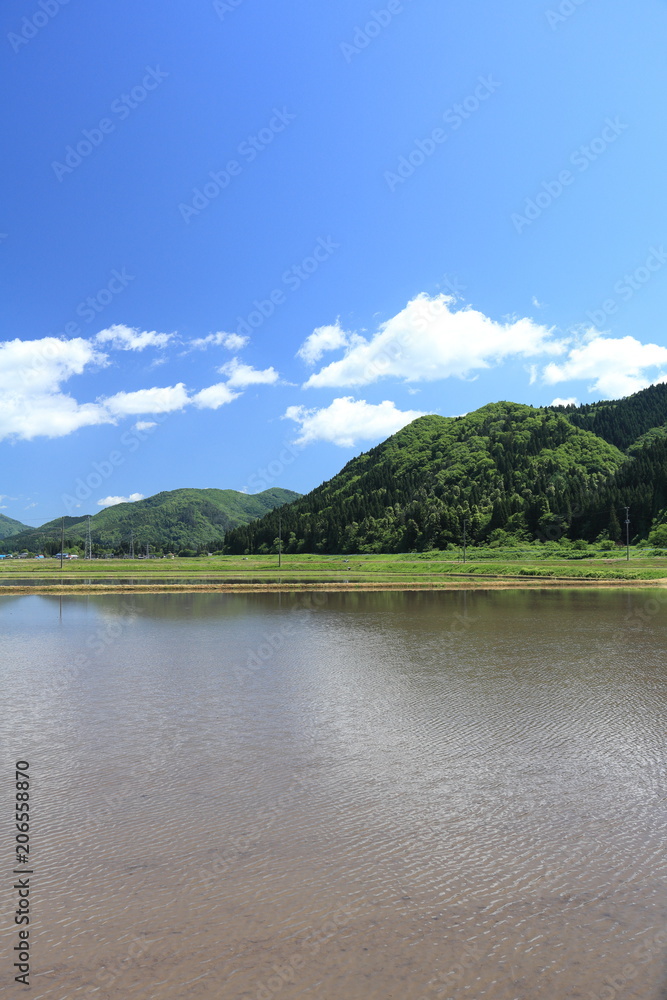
(243, 242)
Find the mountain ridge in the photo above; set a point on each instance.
(505, 471)
(183, 519)
(9, 526)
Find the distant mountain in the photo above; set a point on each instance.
(506, 468)
(505, 471)
(8, 526)
(172, 521)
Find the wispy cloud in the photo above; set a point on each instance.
(240, 375)
(232, 341)
(126, 338)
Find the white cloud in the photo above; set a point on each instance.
(428, 340)
(31, 375)
(48, 416)
(113, 501)
(213, 397)
(325, 338)
(232, 341)
(570, 401)
(126, 338)
(347, 421)
(240, 375)
(614, 367)
(34, 366)
(155, 400)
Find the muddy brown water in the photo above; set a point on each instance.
(339, 796)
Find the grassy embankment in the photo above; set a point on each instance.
(422, 570)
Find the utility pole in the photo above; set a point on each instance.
(148, 550)
(627, 534)
(89, 541)
(131, 543)
(62, 540)
(280, 540)
(465, 522)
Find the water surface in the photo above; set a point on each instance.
(343, 796)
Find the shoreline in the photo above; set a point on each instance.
(473, 583)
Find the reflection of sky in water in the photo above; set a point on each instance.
(464, 767)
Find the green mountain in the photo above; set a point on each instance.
(505, 471)
(506, 467)
(623, 421)
(172, 521)
(8, 526)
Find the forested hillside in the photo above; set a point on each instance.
(8, 526)
(623, 421)
(178, 520)
(506, 468)
(505, 472)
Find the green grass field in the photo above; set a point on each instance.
(405, 568)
